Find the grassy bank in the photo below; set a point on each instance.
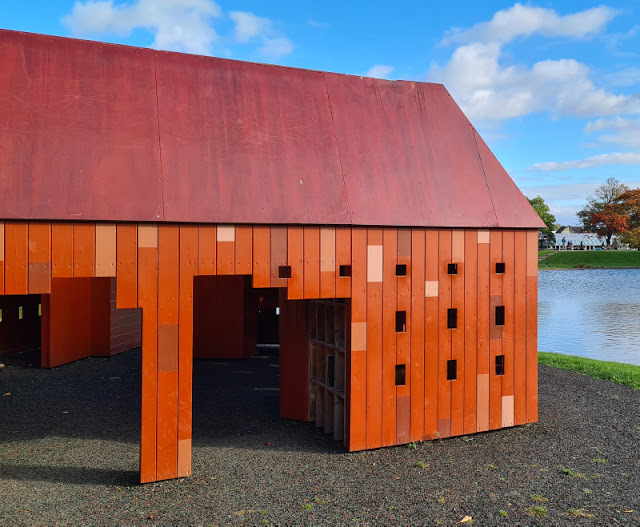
(608, 371)
(591, 259)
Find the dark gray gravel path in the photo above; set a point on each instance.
(69, 455)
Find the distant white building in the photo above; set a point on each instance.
(574, 238)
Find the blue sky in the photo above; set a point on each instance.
(553, 87)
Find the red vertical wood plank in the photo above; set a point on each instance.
(168, 341)
(417, 333)
(343, 258)
(244, 246)
(470, 329)
(532, 326)
(444, 334)
(374, 337)
(226, 249)
(495, 332)
(261, 256)
(294, 360)
(62, 250)
(357, 354)
(106, 249)
(328, 262)
(127, 266)
(278, 255)
(188, 269)
(457, 335)
(312, 262)
(84, 249)
(207, 242)
(482, 365)
(16, 258)
(39, 258)
(508, 300)
(431, 343)
(1, 258)
(168, 274)
(148, 301)
(520, 328)
(403, 338)
(295, 259)
(389, 302)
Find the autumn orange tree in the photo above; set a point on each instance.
(621, 216)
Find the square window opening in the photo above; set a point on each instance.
(452, 268)
(499, 315)
(401, 374)
(284, 271)
(500, 268)
(401, 321)
(345, 270)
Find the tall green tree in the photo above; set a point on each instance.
(544, 212)
(603, 195)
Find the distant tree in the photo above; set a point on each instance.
(632, 238)
(544, 212)
(603, 195)
(621, 216)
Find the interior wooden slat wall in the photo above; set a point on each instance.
(155, 265)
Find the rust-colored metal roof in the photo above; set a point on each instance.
(92, 131)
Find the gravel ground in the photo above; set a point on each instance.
(69, 455)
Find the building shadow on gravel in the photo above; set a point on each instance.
(70, 475)
(89, 410)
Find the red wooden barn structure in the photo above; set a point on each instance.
(405, 256)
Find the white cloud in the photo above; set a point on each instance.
(250, 27)
(520, 20)
(177, 25)
(623, 78)
(379, 71)
(275, 47)
(319, 25)
(488, 88)
(622, 131)
(182, 25)
(615, 158)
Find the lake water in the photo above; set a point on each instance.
(591, 313)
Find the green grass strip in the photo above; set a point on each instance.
(591, 259)
(544, 252)
(609, 371)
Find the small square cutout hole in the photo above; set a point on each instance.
(452, 318)
(452, 268)
(499, 315)
(500, 267)
(499, 364)
(401, 374)
(284, 271)
(401, 270)
(345, 270)
(452, 370)
(401, 321)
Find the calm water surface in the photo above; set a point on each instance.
(591, 313)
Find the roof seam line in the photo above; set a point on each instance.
(484, 173)
(335, 136)
(155, 74)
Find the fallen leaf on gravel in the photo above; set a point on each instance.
(466, 519)
(629, 512)
(6, 394)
